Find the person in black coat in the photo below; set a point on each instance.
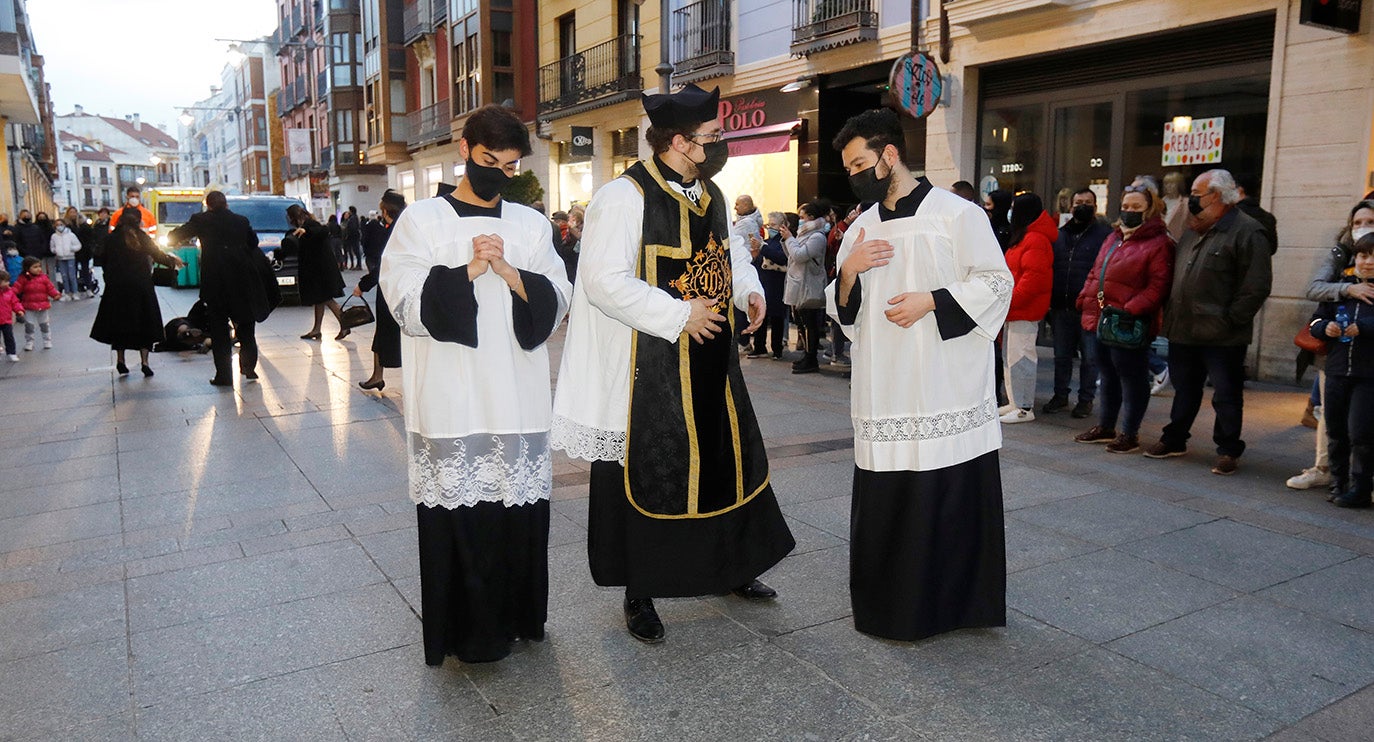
(336, 241)
(319, 281)
(386, 337)
(129, 316)
(1075, 253)
(236, 284)
(352, 238)
(29, 237)
(771, 261)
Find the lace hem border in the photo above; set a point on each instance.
(584, 442)
(925, 427)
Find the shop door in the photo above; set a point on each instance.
(1084, 137)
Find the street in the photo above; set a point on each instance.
(179, 561)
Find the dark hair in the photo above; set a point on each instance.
(30, 262)
(131, 189)
(214, 200)
(103, 210)
(793, 221)
(1248, 181)
(353, 210)
(130, 217)
(878, 128)
(1363, 246)
(660, 138)
(296, 211)
(1025, 209)
(1001, 201)
(962, 188)
(497, 128)
(814, 209)
(1088, 191)
(4, 275)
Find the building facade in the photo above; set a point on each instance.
(27, 135)
(86, 174)
(1049, 96)
(144, 155)
(461, 55)
(319, 46)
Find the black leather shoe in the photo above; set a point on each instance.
(1057, 403)
(755, 590)
(221, 382)
(643, 621)
(1082, 409)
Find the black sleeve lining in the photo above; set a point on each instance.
(448, 306)
(849, 311)
(951, 318)
(533, 320)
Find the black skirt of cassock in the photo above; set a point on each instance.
(682, 557)
(928, 550)
(484, 578)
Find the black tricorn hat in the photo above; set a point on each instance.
(392, 198)
(444, 189)
(686, 108)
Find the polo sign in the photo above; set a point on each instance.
(582, 141)
(1199, 144)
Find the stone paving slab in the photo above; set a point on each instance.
(261, 544)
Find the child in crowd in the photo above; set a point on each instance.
(1349, 401)
(14, 262)
(9, 306)
(36, 292)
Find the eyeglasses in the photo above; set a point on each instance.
(708, 138)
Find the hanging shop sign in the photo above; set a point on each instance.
(915, 84)
(752, 113)
(1193, 142)
(1333, 15)
(581, 143)
(298, 147)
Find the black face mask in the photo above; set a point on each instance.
(1195, 205)
(867, 186)
(1083, 213)
(716, 155)
(486, 182)
(1132, 219)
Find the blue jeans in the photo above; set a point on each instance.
(1070, 343)
(1159, 350)
(1125, 382)
(1189, 368)
(67, 267)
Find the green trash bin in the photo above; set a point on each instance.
(189, 275)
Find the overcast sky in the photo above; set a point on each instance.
(151, 57)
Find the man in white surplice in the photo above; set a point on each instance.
(477, 289)
(922, 289)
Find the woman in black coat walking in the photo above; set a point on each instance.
(129, 316)
(319, 281)
(386, 337)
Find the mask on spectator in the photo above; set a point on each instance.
(1195, 205)
(1084, 213)
(1132, 219)
(1358, 233)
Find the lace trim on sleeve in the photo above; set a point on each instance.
(1000, 284)
(407, 312)
(584, 442)
(512, 469)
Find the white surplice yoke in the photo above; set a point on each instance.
(477, 418)
(921, 402)
(592, 404)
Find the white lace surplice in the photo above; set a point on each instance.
(477, 419)
(920, 402)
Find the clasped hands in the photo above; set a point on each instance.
(1333, 330)
(489, 253)
(704, 322)
(906, 309)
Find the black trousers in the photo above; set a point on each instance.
(1349, 410)
(1189, 368)
(222, 345)
(810, 322)
(774, 329)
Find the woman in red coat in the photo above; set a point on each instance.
(1031, 260)
(1139, 260)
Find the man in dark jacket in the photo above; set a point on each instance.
(29, 237)
(1075, 251)
(1248, 186)
(1222, 276)
(236, 284)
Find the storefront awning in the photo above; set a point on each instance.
(763, 140)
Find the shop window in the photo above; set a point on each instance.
(1010, 144)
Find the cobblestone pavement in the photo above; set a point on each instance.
(183, 562)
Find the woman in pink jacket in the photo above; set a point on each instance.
(1134, 270)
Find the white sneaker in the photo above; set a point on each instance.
(1159, 381)
(1309, 478)
(13, 358)
(1006, 409)
(47, 344)
(28, 344)
(1018, 415)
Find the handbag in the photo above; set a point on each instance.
(1305, 341)
(164, 276)
(1117, 327)
(351, 317)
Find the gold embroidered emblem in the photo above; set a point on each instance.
(707, 276)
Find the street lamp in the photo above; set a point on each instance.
(140, 180)
(155, 160)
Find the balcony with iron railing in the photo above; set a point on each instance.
(818, 25)
(422, 17)
(429, 125)
(297, 22)
(701, 41)
(603, 75)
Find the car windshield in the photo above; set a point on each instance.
(177, 212)
(265, 215)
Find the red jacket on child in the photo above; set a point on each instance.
(1032, 269)
(9, 306)
(1139, 275)
(35, 291)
